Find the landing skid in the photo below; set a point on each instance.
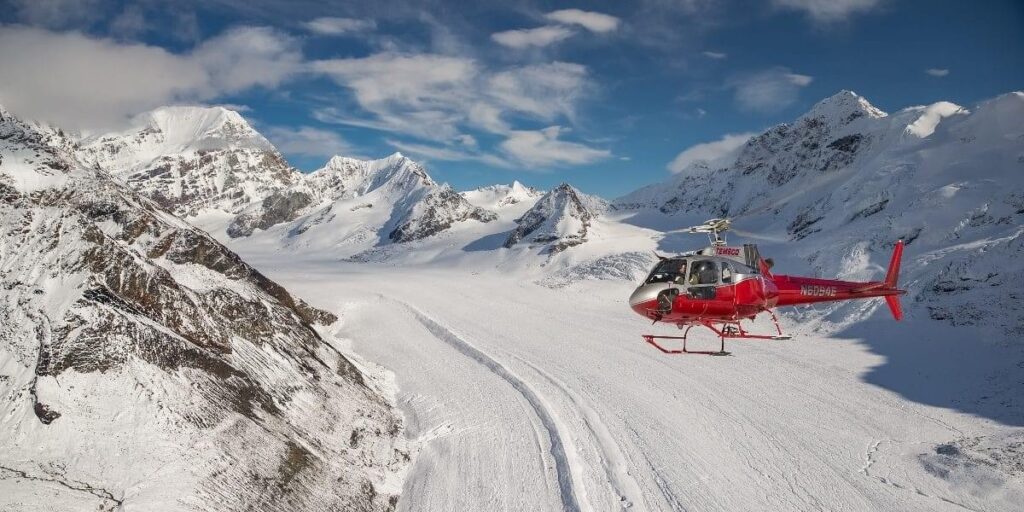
(728, 329)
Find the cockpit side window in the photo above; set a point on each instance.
(726, 272)
(703, 273)
(668, 271)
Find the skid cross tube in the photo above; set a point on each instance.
(729, 329)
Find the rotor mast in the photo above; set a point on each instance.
(715, 229)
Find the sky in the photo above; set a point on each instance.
(606, 95)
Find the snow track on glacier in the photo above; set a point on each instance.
(547, 420)
(616, 466)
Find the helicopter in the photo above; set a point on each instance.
(721, 285)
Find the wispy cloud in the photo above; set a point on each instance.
(332, 26)
(592, 21)
(418, 94)
(308, 141)
(708, 151)
(938, 72)
(130, 23)
(544, 148)
(715, 55)
(447, 153)
(769, 91)
(828, 11)
(532, 37)
(449, 93)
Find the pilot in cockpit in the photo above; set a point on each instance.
(680, 277)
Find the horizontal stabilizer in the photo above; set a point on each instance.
(868, 287)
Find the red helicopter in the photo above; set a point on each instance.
(721, 285)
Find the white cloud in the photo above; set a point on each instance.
(448, 154)
(827, 11)
(249, 56)
(419, 94)
(769, 91)
(331, 26)
(308, 141)
(467, 140)
(525, 38)
(543, 148)
(592, 21)
(99, 83)
(715, 55)
(435, 97)
(938, 72)
(415, 80)
(542, 90)
(708, 151)
(130, 23)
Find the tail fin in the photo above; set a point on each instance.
(891, 279)
(893, 275)
(894, 306)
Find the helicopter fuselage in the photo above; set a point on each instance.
(703, 287)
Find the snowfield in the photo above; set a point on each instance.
(524, 397)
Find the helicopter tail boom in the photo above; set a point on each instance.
(794, 290)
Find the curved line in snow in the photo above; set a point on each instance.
(557, 450)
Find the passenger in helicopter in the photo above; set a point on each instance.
(703, 273)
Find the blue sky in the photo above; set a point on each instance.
(604, 95)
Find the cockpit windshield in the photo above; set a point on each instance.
(668, 271)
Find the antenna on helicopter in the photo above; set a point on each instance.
(715, 229)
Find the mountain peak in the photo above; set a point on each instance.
(842, 108)
(559, 220)
(202, 127)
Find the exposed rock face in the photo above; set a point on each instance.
(847, 180)
(436, 212)
(281, 206)
(559, 220)
(145, 364)
(191, 159)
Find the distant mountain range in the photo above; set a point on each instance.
(841, 182)
(127, 313)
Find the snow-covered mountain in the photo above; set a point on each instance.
(495, 197)
(191, 159)
(145, 366)
(842, 181)
(560, 219)
(209, 166)
(838, 186)
(358, 204)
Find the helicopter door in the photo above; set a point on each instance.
(703, 279)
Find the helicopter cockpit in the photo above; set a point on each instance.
(696, 271)
(697, 275)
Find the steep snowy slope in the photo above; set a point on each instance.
(836, 188)
(144, 366)
(190, 159)
(560, 219)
